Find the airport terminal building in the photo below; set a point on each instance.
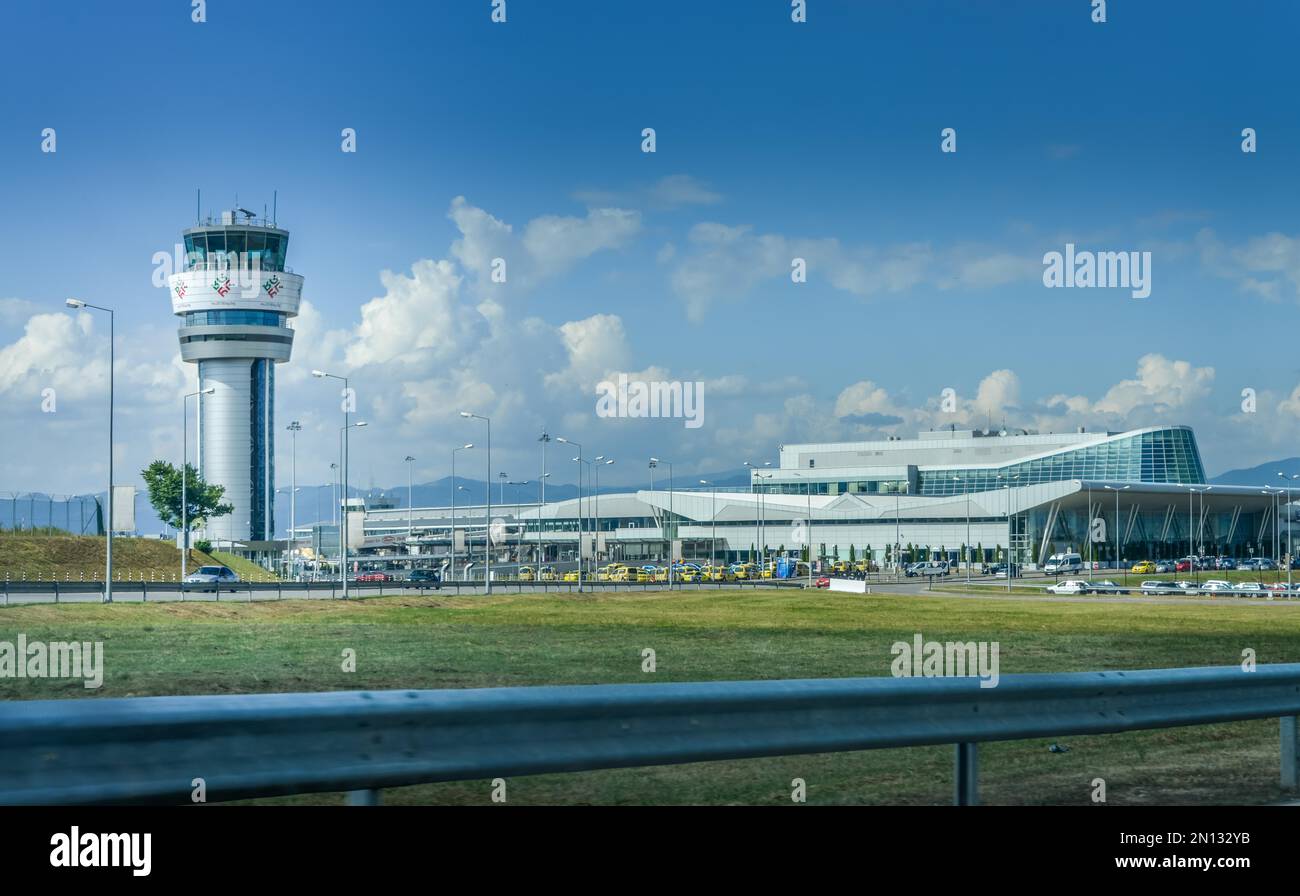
(1135, 495)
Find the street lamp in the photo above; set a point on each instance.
(1197, 549)
(577, 445)
(343, 463)
(294, 427)
(343, 443)
(654, 462)
(1010, 562)
(108, 554)
(487, 513)
(410, 499)
(1288, 480)
(966, 546)
(713, 539)
(541, 505)
(600, 461)
(454, 489)
(1119, 545)
(185, 459)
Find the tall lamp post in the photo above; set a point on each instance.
(541, 504)
(1010, 562)
(1288, 480)
(601, 461)
(454, 488)
(1119, 544)
(487, 497)
(108, 555)
(410, 498)
(1198, 547)
(343, 468)
(347, 526)
(966, 546)
(654, 462)
(185, 459)
(713, 539)
(294, 428)
(577, 445)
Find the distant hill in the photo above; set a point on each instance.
(1264, 474)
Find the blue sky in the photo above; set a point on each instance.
(774, 139)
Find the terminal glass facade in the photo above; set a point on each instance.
(1165, 455)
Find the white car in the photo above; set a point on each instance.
(1069, 586)
(1216, 585)
(1155, 586)
(1248, 588)
(212, 575)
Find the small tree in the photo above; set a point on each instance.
(203, 501)
(853, 553)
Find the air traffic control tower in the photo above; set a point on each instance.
(234, 300)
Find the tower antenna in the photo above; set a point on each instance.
(198, 205)
(275, 205)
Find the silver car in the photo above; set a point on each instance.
(215, 576)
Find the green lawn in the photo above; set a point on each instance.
(70, 558)
(435, 642)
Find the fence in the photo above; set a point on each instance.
(32, 511)
(150, 749)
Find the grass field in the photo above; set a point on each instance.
(435, 642)
(81, 557)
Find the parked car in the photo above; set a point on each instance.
(1248, 588)
(823, 582)
(1216, 585)
(999, 570)
(1183, 565)
(216, 576)
(1156, 586)
(1143, 568)
(373, 576)
(425, 577)
(1069, 586)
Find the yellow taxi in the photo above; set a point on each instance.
(1145, 567)
(526, 574)
(546, 574)
(571, 576)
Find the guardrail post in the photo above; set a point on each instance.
(363, 797)
(1290, 726)
(966, 791)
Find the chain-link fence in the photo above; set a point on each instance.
(36, 512)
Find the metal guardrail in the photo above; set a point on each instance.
(151, 749)
(13, 592)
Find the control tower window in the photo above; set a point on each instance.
(236, 246)
(196, 249)
(276, 245)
